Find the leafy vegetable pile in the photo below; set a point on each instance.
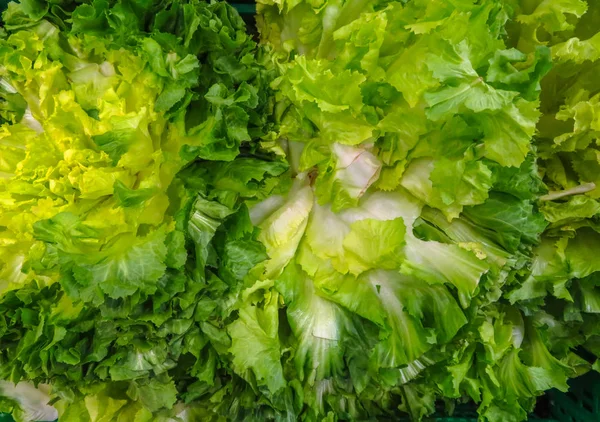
(126, 150)
(384, 209)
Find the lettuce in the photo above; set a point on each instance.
(432, 108)
(126, 125)
(562, 283)
(382, 209)
(413, 210)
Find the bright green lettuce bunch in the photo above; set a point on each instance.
(128, 142)
(410, 128)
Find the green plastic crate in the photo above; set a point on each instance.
(245, 8)
(581, 403)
